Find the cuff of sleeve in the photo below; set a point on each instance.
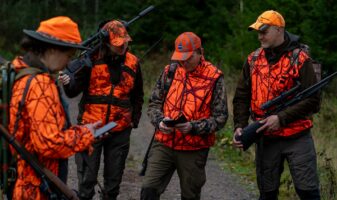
(194, 129)
(239, 126)
(85, 139)
(283, 118)
(158, 122)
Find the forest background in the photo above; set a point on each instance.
(222, 26)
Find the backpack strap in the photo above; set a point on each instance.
(6, 82)
(316, 65)
(317, 69)
(254, 57)
(168, 79)
(28, 71)
(25, 71)
(294, 61)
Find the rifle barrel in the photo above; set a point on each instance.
(99, 35)
(305, 93)
(141, 14)
(94, 42)
(147, 10)
(280, 98)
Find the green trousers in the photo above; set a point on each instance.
(162, 163)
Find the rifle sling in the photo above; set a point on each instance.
(21, 104)
(168, 79)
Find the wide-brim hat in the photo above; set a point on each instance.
(60, 31)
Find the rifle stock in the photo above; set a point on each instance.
(249, 135)
(50, 183)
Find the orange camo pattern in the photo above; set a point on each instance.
(191, 95)
(40, 131)
(118, 34)
(269, 82)
(100, 84)
(33, 192)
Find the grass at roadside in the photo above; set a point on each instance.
(235, 161)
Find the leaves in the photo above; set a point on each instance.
(222, 25)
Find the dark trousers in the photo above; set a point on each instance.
(162, 163)
(63, 170)
(115, 149)
(300, 154)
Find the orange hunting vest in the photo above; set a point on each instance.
(102, 92)
(190, 94)
(269, 81)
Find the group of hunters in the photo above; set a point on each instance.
(187, 106)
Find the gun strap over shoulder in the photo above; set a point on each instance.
(28, 71)
(23, 72)
(169, 78)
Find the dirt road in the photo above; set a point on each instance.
(219, 185)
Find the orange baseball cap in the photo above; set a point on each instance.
(118, 34)
(266, 19)
(60, 31)
(185, 44)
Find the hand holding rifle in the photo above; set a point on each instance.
(244, 138)
(95, 42)
(271, 123)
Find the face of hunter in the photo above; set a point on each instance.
(271, 37)
(119, 50)
(192, 62)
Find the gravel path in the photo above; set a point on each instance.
(219, 185)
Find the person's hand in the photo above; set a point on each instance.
(90, 150)
(64, 78)
(165, 129)
(236, 143)
(93, 126)
(271, 123)
(184, 128)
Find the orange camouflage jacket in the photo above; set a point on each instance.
(41, 130)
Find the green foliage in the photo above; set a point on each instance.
(222, 25)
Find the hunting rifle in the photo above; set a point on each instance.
(94, 42)
(286, 99)
(51, 185)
